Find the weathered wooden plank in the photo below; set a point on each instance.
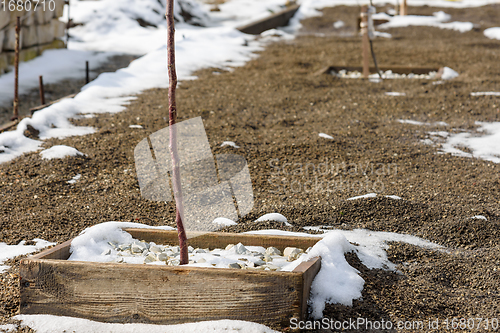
(310, 269)
(271, 22)
(218, 239)
(59, 252)
(40, 107)
(8, 125)
(157, 294)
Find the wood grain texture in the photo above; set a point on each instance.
(273, 21)
(128, 293)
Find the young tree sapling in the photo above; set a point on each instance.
(172, 116)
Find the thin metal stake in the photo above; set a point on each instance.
(42, 91)
(68, 25)
(365, 41)
(16, 71)
(87, 79)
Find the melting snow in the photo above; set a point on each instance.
(59, 151)
(12, 251)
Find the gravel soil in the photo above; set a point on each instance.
(274, 108)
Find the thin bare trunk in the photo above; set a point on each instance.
(172, 117)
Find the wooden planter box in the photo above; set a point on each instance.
(131, 293)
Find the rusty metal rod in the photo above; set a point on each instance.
(68, 25)
(42, 91)
(16, 71)
(87, 78)
(365, 41)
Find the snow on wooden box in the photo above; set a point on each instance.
(160, 294)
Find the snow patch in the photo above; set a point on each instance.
(448, 73)
(12, 251)
(229, 143)
(326, 136)
(395, 93)
(224, 221)
(59, 151)
(338, 24)
(60, 324)
(93, 241)
(486, 146)
(437, 20)
(485, 93)
(364, 196)
(75, 179)
(274, 217)
(493, 33)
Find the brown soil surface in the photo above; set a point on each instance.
(274, 108)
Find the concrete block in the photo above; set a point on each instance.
(4, 17)
(30, 37)
(59, 8)
(43, 14)
(2, 36)
(4, 64)
(58, 28)
(45, 33)
(28, 19)
(9, 42)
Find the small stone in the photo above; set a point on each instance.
(106, 252)
(242, 264)
(251, 264)
(240, 249)
(113, 245)
(287, 251)
(272, 251)
(272, 267)
(191, 262)
(234, 265)
(162, 256)
(176, 249)
(292, 253)
(259, 262)
(199, 251)
(155, 249)
(145, 252)
(123, 247)
(267, 258)
(150, 258)
(174, 262)
(308, 249)
(119, 260)
(190, 249)
(201, 261)
(216, 254)
(138, 247)
(229, 247)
